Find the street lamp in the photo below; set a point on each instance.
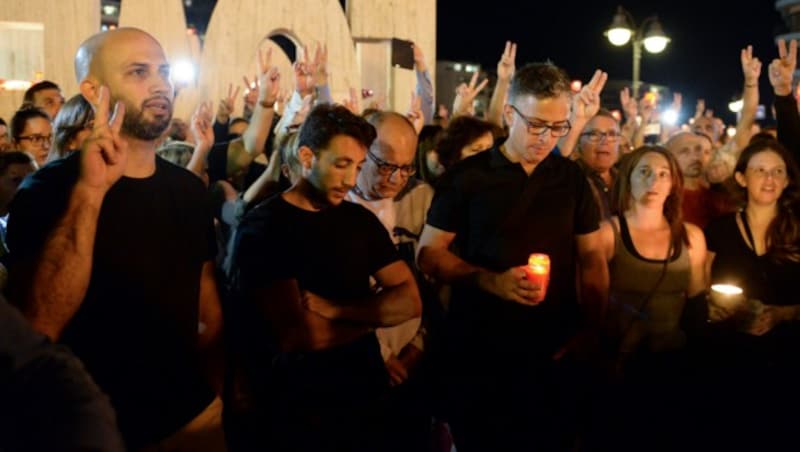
(623, 29)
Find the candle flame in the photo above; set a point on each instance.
(539, 263)
(726, 289)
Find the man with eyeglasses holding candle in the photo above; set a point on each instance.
(509, 384)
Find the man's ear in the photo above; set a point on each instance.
(306, 156)
(508, 114)
(89, 89)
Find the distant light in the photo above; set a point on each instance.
(736, 106)
(183, 72)
(691, 120)
(619, 36)
(471, 68)
(112, 27)
(576, 85)
(670, 117)
(457, 67)
(109, 10)
(15, 85)
(655, 44)
(731, 131)
(616, 114)
(103, 27)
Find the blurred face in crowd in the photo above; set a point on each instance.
(390, 159)
(483, 143)
(693, 152)
(333, 171)
(708, 127)
(36, 138)
(765, 178)
(527, 116)
(50, 100)
(133, 66)
(651, 180)
(599, 143)
(9, 182)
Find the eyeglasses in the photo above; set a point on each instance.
(776, 173)
(556, 130)
(595, 136)
(37, 139)
(388, 169)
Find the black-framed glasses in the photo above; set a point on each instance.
(388, 169)
(595, 136)
(556, 130)
(37, 139)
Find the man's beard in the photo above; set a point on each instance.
(135, 125)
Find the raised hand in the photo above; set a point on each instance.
(319, 66)
(465, 95)
(751, 66)
(227, 104)
(699, 108)
(268, 79)
(280, 102)
(352, 103)
(415, 112)
(303, 74)
(782, 69)
(587, 103)
(201, 127)
(506, 65)
(629, 105)
(104, 153)
(250, 92)
(677, 102)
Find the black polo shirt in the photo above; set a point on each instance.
(473, 199)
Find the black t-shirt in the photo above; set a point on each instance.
(136, 329)
(473, 199)
(332, 252)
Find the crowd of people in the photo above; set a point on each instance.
(318, 276)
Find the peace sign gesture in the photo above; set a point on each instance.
(268, 79)
(104, 153)
(781, 69)
(505, 67)
(465, 95)
(587, 103)
(226, 105)
(751, 66)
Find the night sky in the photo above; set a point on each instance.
(702, 60)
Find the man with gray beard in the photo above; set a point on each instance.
(111, 253)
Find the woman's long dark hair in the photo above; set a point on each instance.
(621, 198)
(783, 232)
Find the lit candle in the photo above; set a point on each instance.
(538, 273)
(726, 295)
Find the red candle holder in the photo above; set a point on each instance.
(537, 272)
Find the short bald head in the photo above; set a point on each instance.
(396, 144)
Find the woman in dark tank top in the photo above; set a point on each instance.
(656, 263)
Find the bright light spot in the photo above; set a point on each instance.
(726, 289)
(655, 44)
(616, 114)
(471, 68)
(731, 131)
(15, 85)
(457, 67)
(736, 106)
(576, 85)
(670, 117)
(619, 36)
(109, 10)
(691, 120)
(183, 72)
(103, 27)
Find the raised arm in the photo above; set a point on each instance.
(203, 134)
(224, 112)
(424, 85)
(584, 106)
(397, 302)
(505, 70)
(631, 110)
(781, 71)
(255, 136)
(751, 69)
(465, 96)
(52, 288)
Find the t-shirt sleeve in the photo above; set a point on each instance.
(587, 212)
(261, 254)
(449, 203)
